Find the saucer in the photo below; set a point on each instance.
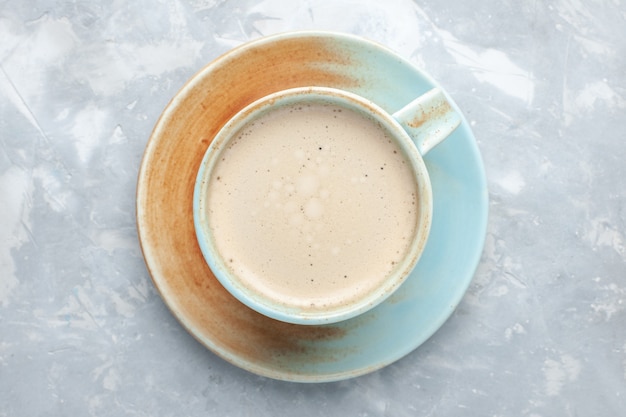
(238, 334)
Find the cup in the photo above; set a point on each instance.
(313, 205)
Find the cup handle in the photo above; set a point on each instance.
(428, 119)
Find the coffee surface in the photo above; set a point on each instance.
(312, 205)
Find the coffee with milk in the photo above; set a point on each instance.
(312, 205)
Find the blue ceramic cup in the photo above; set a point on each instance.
(312, 205)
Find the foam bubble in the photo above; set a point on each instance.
(314, 209)
(296, 219)
(307, 185)
(290, 207)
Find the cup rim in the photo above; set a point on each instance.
(281, 311)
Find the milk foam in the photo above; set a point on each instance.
(312, 205)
